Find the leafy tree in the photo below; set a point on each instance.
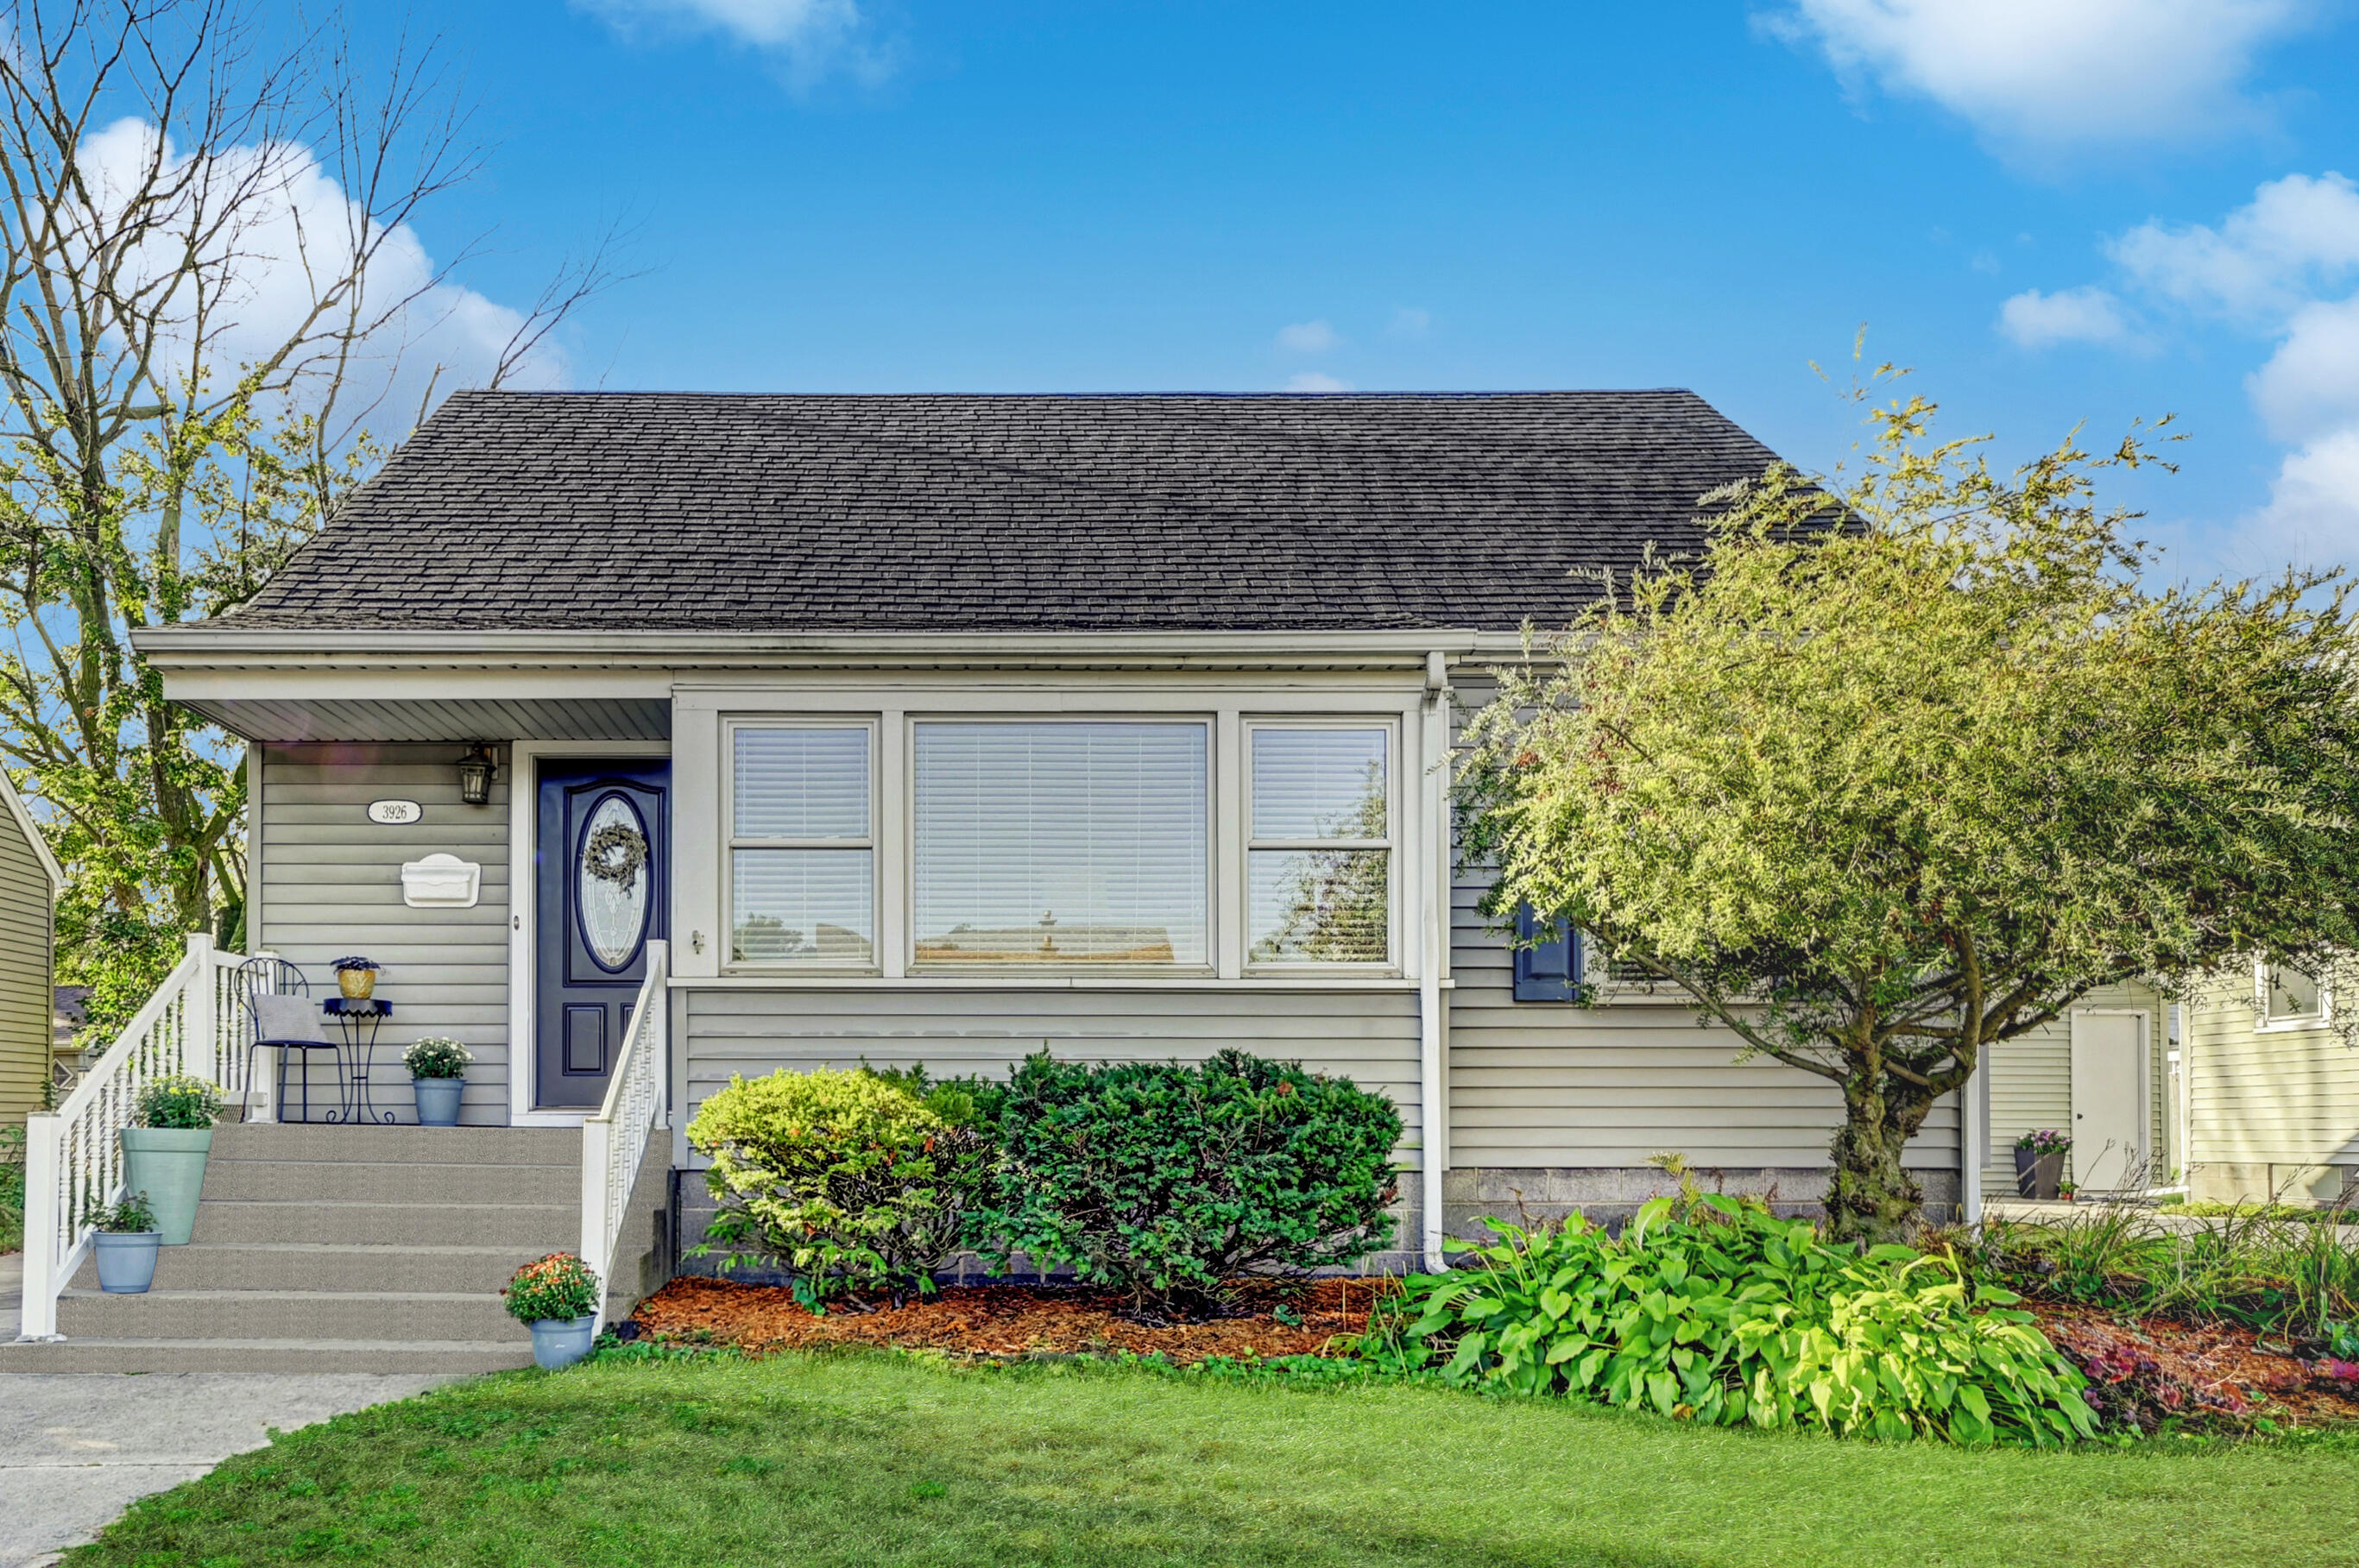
(1905, 765)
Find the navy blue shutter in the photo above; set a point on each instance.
(1548, 969)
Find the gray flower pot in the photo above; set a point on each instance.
(127, 1260)
(556, 1343)
(2036, 1178)
(438, 1100)
(168, 1163)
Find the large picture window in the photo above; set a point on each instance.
(1060, 843)
(802, 848)
(1318, 863)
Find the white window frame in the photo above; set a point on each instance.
(2263, 975)
(731, 843)
(907, 890)
(1390, 844)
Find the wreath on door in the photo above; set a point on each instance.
(614, 854)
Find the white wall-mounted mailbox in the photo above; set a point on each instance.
(440, 882)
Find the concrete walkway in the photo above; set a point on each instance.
(76, 1449)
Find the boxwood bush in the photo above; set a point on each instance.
(1168, 1182)
(849, 1179)
(1725, 1314)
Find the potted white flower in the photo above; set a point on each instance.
(164, 1155)
(126, 1247)
(438, 1075)
(557, 1297)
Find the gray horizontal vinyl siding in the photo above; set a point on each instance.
(1368, 1038)
(24, 971)
(331, 886)
(1550, 1084)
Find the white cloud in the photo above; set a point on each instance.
(1317, 381)
(812, 37)
(2047, 73)
(298, 226)
(1309, 337)
(2311, 384)
(2312, 515)
(2084, 315)
(1409, 322)
(2297, 234)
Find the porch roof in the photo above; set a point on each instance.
(603, 512)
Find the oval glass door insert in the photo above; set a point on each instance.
(613, 879)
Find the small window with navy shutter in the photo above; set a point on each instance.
(1548, 959)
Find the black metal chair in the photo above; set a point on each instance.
(260, 977)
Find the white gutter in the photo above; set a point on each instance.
(225, 646)
(1433, 958)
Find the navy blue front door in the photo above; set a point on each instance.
(603, 870)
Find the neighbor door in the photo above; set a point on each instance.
(603, 873)
(2109, 1111)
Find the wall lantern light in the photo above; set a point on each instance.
(475, 771)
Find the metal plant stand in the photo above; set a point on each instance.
(359, 1018)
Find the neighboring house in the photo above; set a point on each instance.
(2272, 1093)
(943, 728)
(30, 881)
(2107, 1075)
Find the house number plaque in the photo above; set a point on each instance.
(394, 813)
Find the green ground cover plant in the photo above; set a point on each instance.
(12, 1189)
(1718, 1311)
(1168, 1180)
(874, 1460)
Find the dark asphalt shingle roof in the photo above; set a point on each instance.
(792, 512)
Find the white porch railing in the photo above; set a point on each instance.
(73, 1159)
(615, 1142)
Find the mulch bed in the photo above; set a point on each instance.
(1009, 1320)
(2152, 1371)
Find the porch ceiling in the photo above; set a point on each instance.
(458, 718)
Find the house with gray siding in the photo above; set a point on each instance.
(942, 730)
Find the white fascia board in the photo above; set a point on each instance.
(188, 649)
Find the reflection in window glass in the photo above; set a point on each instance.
(802, 870)
(1318, 870)
(2293, 994)
(803, 906)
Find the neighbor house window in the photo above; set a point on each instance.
(2291, 996)
(1080, 843)
(802, 852)
(1318, 858)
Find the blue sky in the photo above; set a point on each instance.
(858, 194)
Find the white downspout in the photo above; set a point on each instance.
(1433, 957)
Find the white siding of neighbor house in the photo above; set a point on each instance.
(1370, 1037)
(2031, 1084)
(331, 883)
(2270, 1111)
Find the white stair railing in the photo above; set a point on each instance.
(615, 1142)
(74, 1155)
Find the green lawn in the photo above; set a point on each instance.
(872, 1459)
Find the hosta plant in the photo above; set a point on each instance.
(560, 1288)
(1729, 1314)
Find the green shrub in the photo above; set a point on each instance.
(179, 1102)
(847, 1178)
(560, 1287)
(1734, 1315)
(1166, 1181)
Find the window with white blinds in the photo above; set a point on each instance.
(1319, 854)
(1060, 843)
(802, 849)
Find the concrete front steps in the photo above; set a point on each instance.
(338, 1250)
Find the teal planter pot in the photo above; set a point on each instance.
(438, 1100)
(127, 1260)
(168, 1163)
(556, 1344)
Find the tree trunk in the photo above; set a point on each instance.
(1872, 1198)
